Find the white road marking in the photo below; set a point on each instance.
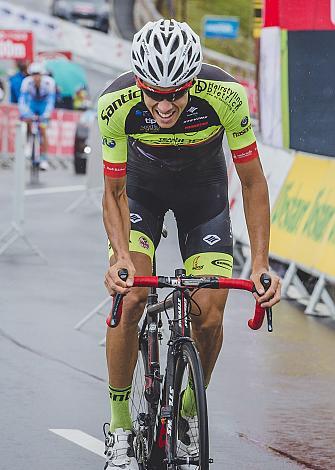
(56, 189)
(82, 439)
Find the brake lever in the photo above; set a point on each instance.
(266, 283)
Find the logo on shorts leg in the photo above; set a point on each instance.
(222, 263)
(196, 266)
(211, 239)
(144, 243)
(135, 218)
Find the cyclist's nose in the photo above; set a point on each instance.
(164, 106)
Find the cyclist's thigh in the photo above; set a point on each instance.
(207, 244)
(146, 224)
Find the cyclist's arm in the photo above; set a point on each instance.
(243, 145)
(23, 102)
(257, 214)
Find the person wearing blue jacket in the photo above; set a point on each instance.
(15, 81)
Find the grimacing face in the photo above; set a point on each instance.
(166, 113)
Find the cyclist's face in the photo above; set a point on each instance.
(166, 113)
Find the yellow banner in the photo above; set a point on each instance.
(303, 219)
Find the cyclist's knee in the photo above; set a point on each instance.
(210, 324)
(133, 306)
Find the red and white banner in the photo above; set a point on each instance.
(16, 45)
(49, 55)
(61, 131)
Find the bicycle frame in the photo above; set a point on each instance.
(180, 332)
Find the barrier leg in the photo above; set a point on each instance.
(288, 278)
(329, 302)
(92, 313)
(315, 297)
(9, 242)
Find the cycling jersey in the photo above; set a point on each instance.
(217, 103)
(181, 168)
(37, 101)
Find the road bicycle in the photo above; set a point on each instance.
(34, 144)
(163, 438)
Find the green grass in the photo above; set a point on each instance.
(193, 11)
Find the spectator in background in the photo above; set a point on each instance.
(15, 81)
(37, 101)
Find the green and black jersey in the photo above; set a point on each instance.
(217, 104)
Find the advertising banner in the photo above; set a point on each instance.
(303, 219)
(16, 45)
(61, 131)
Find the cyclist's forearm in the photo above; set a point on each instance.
(117, 223)
(257, 214)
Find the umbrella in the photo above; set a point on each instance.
(68, 75)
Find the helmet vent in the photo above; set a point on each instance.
(160, 65)
(175, 44)
(166, 39)
(157, 45)
(152, 72)
(178, 73)
(171, 65)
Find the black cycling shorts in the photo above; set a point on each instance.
(195, 189)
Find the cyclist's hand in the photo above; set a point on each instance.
(272, 295)
(113, 282)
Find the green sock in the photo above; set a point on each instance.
(119, 399)
(189, 406)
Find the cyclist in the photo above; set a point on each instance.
(162, 126)
(37, 101)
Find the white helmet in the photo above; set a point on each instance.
(36, 68)
(166, 53)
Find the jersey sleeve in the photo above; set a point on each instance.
(113, 139)
(240, 135)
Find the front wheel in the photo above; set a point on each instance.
(143, 412)
(189, 440)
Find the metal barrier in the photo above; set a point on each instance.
(16, 231)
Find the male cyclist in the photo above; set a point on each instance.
(37, 101)
(162, 125)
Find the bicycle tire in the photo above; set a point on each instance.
(143, 413)
(188, 362)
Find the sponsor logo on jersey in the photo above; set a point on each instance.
(149, 128)
(244, 131)
(144, 243)
(192, 111)
(211, 239)
(244, 121)
(108, 112)
(108, 142)
(199, 118)
(221, 263)
(196, 125)
(149, 120)
(195, 265)
(220, 92)
(135, 218)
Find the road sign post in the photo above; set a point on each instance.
(222, 27)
